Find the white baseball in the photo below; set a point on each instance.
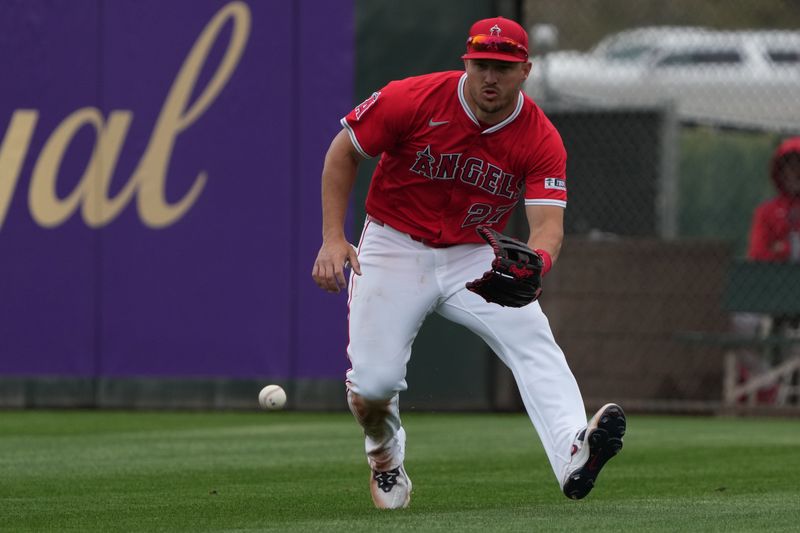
(272, 397)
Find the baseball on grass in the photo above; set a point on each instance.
(272, 397)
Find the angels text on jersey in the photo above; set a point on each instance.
(472, 171)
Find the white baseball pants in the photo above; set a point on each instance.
(402, 282)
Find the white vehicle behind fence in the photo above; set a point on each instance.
(748, 79)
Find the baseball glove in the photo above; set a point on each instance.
(515, 279)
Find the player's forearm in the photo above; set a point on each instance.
(338, 176)
(336, 187)
(546, 229)
(548, 240)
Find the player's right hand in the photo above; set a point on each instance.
(333, 257)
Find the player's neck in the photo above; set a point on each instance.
(487, 118)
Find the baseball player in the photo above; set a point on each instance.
(457, 151)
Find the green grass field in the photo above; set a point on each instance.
(133, 471)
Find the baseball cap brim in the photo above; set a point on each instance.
(497, 56)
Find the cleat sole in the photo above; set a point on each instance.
(604, 442)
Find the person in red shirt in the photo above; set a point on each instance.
(774, 237)
(775, 231)
(457, 150)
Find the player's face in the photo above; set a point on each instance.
(492, 87)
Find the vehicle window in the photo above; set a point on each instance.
(784, 57)
(701, 57)
(629, 53)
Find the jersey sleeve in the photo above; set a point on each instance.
(546, 182)
(379, 121)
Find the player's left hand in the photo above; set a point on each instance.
(332, 259)
(515, 279)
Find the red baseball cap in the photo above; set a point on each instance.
(497, 38)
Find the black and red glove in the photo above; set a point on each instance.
(515, 279)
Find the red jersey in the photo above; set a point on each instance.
(775, 231)
(776, 225)
(443, 172)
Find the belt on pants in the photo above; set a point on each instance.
(426, 242)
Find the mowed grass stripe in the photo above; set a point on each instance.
(137, 471)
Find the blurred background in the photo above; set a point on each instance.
(159, 199)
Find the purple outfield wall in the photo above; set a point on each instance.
(159, 186)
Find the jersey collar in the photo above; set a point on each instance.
(473, 118)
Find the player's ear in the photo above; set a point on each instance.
(526, 68)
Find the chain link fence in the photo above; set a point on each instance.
(671, 114)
